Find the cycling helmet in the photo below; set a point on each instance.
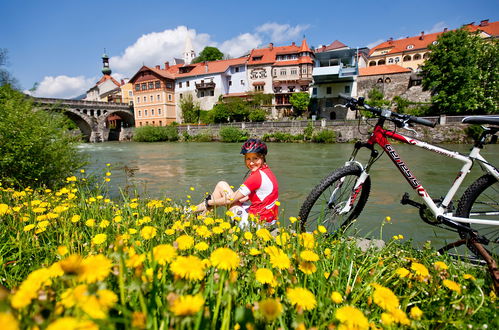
(254, 145)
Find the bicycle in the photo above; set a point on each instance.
(340, 197)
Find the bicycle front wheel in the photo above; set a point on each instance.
(334, 203)
(481, 201)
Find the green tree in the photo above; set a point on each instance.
(5, 76)
(36, 148)
(462, 74)
(190, 109)
(209, 54)
(300, 102)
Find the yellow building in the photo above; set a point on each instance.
(127, 93)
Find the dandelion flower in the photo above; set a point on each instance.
(62, 250)
(420, 270)
(189, 268)
(451, 285)
(282, 238)
(387, 319)
(107, 298)
(469, 277)
(254, 252)
(75, 218)
(67, 322)
(104, 224)
(440, 265)
(399, 316)
(302, 298)
(28, 227)
(402, 272)
(278, 258)
(336, 297)
(385, 298)
(248, 236)
(164, 253)
(351, 318)
(309, 255)
(307, 267)
(95, 268)
(90, 223)
(264, 234)
(416, 313)
(148, 232)
(293, 219)
(99, 239)
(225, 258)
(72, 265)
(187, 305)
(8, 321)
(264, 276)
(307, 240)
(270, 308)
(201, 246)
(184, 242)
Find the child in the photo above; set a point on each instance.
(257, 195)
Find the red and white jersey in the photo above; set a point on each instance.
(263, 191)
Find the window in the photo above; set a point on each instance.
(169, 97)
(236, 69)
(158, 97)
(294, 71)
(144, 87)
(380, 80)
(329, 90)
(390, 60)
(130, 93)
(274, 73)
(140, 123)
(180, 95)
(258, 88)
(242, 82)
(291, 88)
(314, 91)
(180, 84)
(283, 72)
(138, 99)
(381, 62)
(159, 112)
(202, 94)
(347, 89)
(230, 82)
(304, 70)
(435, 42)
(157, 84)
(145, 98)
(372, 63)
(160, 123)
(426, 55)
(257, 58)
(140, 113)
(152, 112)
(169, 85)
(212, 93)
(145, 112)
(152, 98)
(188, 84)
(150, 85)
(407, 58)
(410, 46)
(416, 57)
(397, 59)
(137, 87)
(388, 80)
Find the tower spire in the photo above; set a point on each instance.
(106, 70)
(189, 53)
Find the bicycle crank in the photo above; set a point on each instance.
(424, 212)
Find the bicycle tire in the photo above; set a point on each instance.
(314, 212)
(480, 197)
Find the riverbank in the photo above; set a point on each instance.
(85, 259)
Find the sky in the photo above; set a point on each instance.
(58, 44)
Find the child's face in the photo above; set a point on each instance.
(253, 161)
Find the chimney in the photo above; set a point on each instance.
(206, 66)
(484, 22)
(445, 29)
(167, 65)
(122, 82)
(271, 46)
(293, 43)
(390, 41)
(422, 35)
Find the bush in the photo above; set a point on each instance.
(308, 131)
(282, 137)
(257, 115)
(155, 134)
(204, 136)
(324, 136)
(233, 134)
(35, 146)
(473, 131)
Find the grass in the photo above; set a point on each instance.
(75, 257)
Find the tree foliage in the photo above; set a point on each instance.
(190, 109)
(238, 109)
(300, 102)
(209, 54)
(5, 75)
(35, 146)
(462, 74)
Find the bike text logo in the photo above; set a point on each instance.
(402, 167)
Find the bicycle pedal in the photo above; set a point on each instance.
(407, 201)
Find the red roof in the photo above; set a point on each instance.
(334, 45)
(382, 69)
(205, 68)
(268, 55)
(108, 77)
(491, 28)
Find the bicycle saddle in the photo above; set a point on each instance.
(479, 120)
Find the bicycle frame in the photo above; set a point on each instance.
(380, 137)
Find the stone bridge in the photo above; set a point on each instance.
(98, 121)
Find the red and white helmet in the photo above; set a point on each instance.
(254, 145)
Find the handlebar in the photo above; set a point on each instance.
(397, 118)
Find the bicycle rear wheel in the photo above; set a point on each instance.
(481, 201)
(325, 203)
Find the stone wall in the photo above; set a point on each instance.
(389, 84)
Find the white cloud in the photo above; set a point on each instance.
(63, 86)
(241, 44)
(438, 27)
(375, 43)
(282, 32)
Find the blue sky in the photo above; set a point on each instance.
(58, 44)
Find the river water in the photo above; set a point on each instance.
(169, 170)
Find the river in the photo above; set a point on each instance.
(169, 170)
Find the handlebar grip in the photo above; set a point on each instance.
(422, 121)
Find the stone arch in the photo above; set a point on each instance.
(416, 57)
(372, 63)
(381, 62)
(85, 123)
(426, 55)
(407, 58)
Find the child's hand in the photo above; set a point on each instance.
(244, 199)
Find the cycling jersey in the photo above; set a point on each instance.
(262, 190)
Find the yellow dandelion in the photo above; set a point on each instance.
(8, 321)
(254, 252)
(148, 232)
(187, 305)
(307, 240)
(169, 232)
(270, 309)
(307, 267)
(399, 316)
(440, 265)
(264, 276)
(67, 322)
(201, 246)
(388, 219)
(351, 318)
(72, 265)
(451, 285)
(225, 258)
(184, 242)
(385, 298)
(308, 255)
(336, 297)
(302, 298)
(282, 238)
(387, 319)
(99, 239)
(90, 223)
(95, 268)
(106, 298)
(415, 313)
(293, 219)
(469, 277)
(189, 268)
(164, 253)
(278, 258)
(62, 250)
(402, 272)
(248, 236)
(420, 269)
(75, 218)
(28, 227)
(264, 234)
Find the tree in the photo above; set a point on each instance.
(5, 76)
(37, 150)
(300, 102)
(209, 54)
(190, 109)
(462, 73)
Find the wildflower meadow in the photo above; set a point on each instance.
(74, 259)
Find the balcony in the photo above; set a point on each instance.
(341, 72)
(205, 85)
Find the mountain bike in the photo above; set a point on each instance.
(340, 197)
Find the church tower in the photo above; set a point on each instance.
(106, 70)
(189, 53)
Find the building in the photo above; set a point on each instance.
(106, 86)
(126, 91)
(281, 71)
(154, 96)
(335, 71)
